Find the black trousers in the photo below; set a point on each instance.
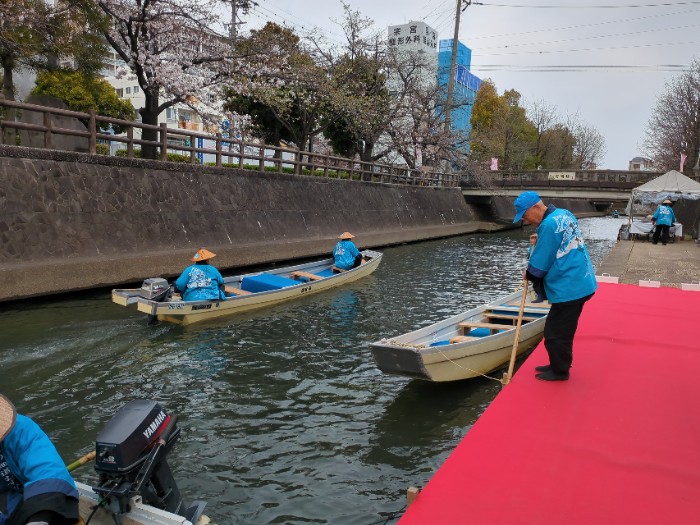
(662, 229)
(559, 330)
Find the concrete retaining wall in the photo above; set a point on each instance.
(74, 221)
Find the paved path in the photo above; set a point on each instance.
(673, 264)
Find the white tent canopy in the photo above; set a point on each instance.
(671, 185)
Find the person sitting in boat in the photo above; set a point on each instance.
(537, 286)
(35, 486)
(345, 253)
(201, 281)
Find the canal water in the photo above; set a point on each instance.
(285, 418)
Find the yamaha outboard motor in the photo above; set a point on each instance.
(156, 289)
(130, 460)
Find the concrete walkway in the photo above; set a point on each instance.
(673, 264)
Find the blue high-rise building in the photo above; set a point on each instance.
(465, 86)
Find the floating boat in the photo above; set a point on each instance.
(246, 292)
(467, 345)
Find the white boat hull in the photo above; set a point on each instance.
(412, 355)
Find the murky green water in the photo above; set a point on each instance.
(285, 417)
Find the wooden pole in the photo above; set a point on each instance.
(87, 457)
(514, 352)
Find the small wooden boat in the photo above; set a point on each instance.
(139, 513)
(246, 292)
(467, 345)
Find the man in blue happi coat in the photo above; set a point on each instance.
(35, 486)
(345, 253)
(201, 281)
(663, 219)
(560, 262)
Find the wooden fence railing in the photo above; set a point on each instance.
(199, 146)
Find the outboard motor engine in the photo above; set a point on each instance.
(130, 460)
(155, 289)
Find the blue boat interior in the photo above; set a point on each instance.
(474, 332)
(264, 282)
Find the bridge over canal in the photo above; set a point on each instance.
(604, 189)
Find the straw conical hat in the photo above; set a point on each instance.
(202, 255)
(346, 235)
(8, 415)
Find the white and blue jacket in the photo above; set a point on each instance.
(200, 282)
(33, 475)
(561, 258)
(345, 253)
(664, 215)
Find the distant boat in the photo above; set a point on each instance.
(247, 292)
(467, 345)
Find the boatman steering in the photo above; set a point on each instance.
(35, 486)
(345, 253)
(561, 262)
(201, 281)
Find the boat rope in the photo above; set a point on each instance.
(407, 345)
(467, 368)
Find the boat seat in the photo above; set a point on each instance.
(514, 318)
(265, 282)
(306, 275)
(466, 326)
(337, 270)
(462, 338)
(235, 291)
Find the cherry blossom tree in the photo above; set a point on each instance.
(674, 126)
(169, 46)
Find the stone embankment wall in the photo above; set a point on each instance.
(71, 221)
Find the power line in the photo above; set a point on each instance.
(630, 6)
(638, 46)
(591, 37)
(589, 68)
(566, 28)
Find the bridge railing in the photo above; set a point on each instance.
(603, 179)
(195, 147)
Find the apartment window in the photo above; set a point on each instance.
(170, 114)
(136, 89)
(128, 91)
(120, 92)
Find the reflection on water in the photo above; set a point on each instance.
(285, 418)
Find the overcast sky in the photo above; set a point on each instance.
(622, 55)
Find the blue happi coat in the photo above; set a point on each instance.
(664, 215)
(345, 253)
(31, 470)
(561, 258)
(200, 282)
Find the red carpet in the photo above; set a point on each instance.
(619, 443)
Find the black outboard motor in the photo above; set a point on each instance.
(130, 460)
(156, 289)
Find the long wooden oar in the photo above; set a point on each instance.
(509, 374)
(87, 457)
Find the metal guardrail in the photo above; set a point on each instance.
(226, 151)
(607, 179)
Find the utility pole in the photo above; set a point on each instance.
(453, 66)
(234, 22)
